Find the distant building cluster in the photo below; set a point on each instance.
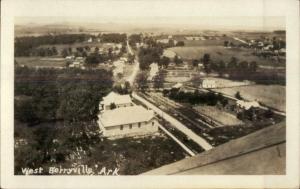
(77, 62)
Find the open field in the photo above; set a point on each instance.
(218, 41)
(218, 53)
(270, 95)
(223, 117)
(41, 61)
(223, 83)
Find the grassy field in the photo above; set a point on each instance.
(41, 61)
(218, 115)
(218, 53)
(270, 95)
(219, 41)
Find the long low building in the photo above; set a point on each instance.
(128, 121)
(125, 118)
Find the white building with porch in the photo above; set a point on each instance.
(116, 99)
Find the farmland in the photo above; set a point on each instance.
(223, 117)
(219, 53)
(41, 62)
(270, 95)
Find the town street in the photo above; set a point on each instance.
(131, 78)
(203, 143)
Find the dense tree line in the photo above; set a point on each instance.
(113, 38)
(41, 51)
(70, 95)
(25, 46)
(148, 56)
(133, 39)
(196, 97)
(240, 70)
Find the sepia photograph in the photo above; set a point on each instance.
(149, 98)
(134, 94)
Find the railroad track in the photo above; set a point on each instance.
(198, 127)
(184, 111)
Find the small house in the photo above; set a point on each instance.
(246, 105)
(114, 98)
(208, 84)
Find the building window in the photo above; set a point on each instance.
(139, 125)
(121, 127)
(130, 126)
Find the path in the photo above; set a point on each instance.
(136, 67)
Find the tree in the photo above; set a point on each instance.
(243, 67)
(131, 58)
(226, 43)
(232, 65)
(180, 43)
(206, 62)
(96, 49)
(64, 53)
(177, 60)
(238, 95)
(253, 66)
(164, 61)
(54, 50)
(221, 68)
(141, 80)
(195, 63)
(159, 80)
(110, 50)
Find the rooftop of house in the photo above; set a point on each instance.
(125, 115)
(247, 105)
(177, 86)
(113, 97)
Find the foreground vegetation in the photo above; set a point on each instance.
(73, 144)
(51, 94)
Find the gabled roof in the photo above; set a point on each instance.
(177, 85)
(125, 115)
(113, 97)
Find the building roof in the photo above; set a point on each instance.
(177, 86)
(113, 97)
(125, 115)
(247, 105)
(259, 153)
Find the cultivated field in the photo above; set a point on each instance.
(215, 113)
(216, 41)
(41, 61)
(223, 83)
(270, 95)
(218, 53)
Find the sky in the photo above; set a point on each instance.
(212, 14)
